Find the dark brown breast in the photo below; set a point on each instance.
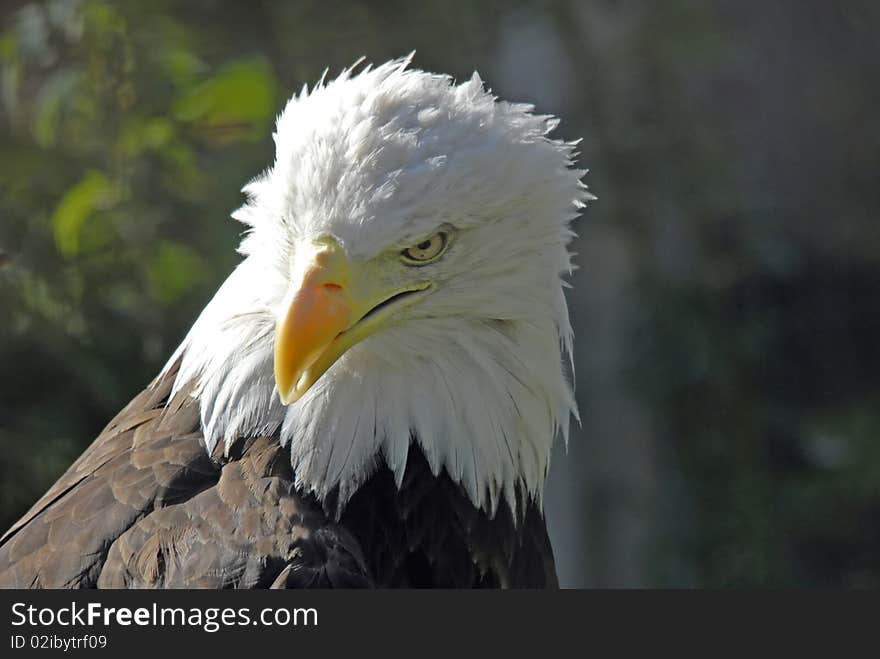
(146, 506)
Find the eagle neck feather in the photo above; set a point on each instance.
(486, 407)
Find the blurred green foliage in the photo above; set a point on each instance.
(114, 196)
(728, 306)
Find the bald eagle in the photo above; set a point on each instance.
(371, 397)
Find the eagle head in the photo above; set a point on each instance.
(402, 283)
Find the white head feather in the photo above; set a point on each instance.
(475, 372)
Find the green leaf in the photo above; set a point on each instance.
(142, 134)
(54, 93)
(174, 270)
(8, 45)
(93, 192)
(180, 65)
(237, 101)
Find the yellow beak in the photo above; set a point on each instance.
(327, 310)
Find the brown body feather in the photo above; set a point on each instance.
(146, 507)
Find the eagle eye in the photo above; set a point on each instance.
(426, 251)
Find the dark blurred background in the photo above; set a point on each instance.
(727, 306)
